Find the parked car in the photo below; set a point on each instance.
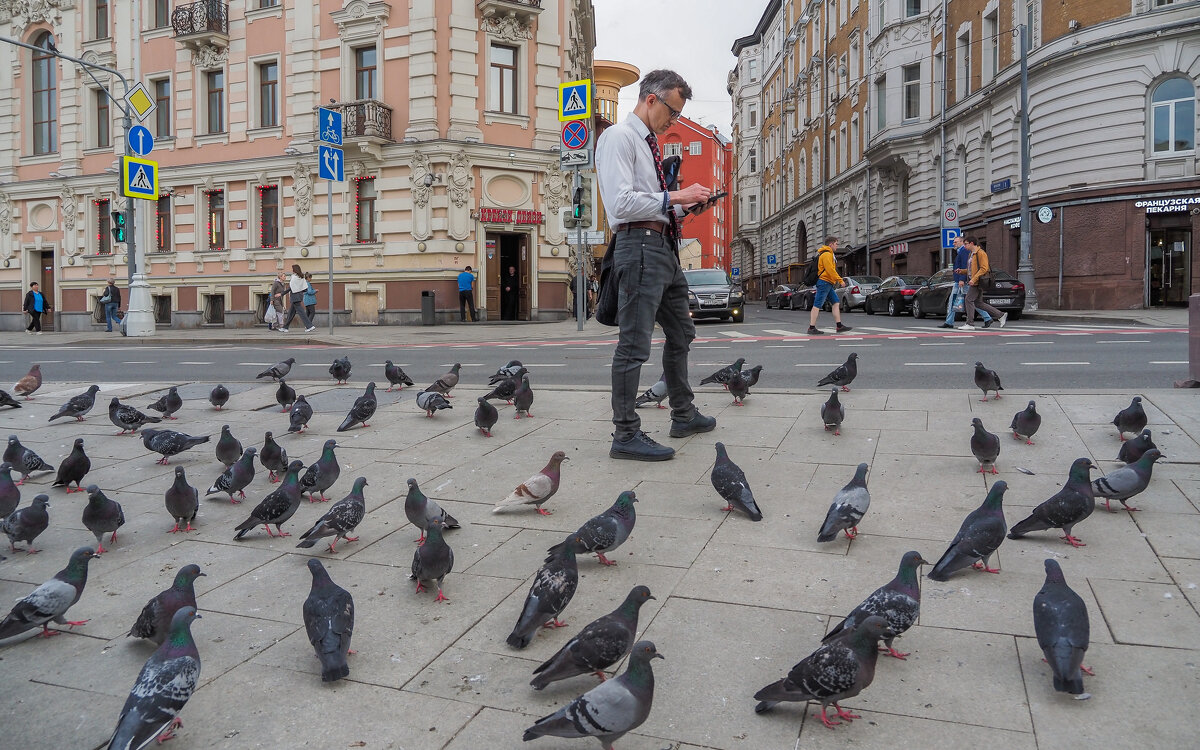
(1004, 293)
(712, 294)
(802, 298)
(894, 295)
(781, 296)
(854, 294)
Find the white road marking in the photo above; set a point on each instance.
(581, 348)
(1169, 362)
(1068, 333)
(1044, 364)
(818, 364)
(860, 345)
(130, 362)
(934, 364)
(194, 363)
(883, 330)
(256, 364)
(530, 364)
(96, 362)
(783, 346)
(708, 346)
(1126, 341)
(900, 338)
(942, 343)
(735, 334)
(780, 332)
(1024, 343)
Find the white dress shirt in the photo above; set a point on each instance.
(627, 176)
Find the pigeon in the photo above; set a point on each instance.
(601, 643)
(445, 383)
(1060, 620)
(1127, 481)
(77, 406)
(273, 458)
(610, 529)
(833, 413)
(1026, 423)
(985, 446)
(432, 401)
(322, 474)
(420, 510)
(341, 519)
(611, 709)
(168, 404)
(73, 468)
(127, 417)
(1132, 450)
(898, 602)
(522, 399)
(169, 443)
(1070, 505)
(237, 477)
(831, 674)
(102, 516)
(218, 396)
(987, 380)
(285, 395)
(27, 385)
(506, 388)
(486, 416)
(277, 507)
(395, 376)
(8, 400)
(738, 387)
(300, 415)
(752, 375)
(849, 506)
(154, 622)
(977, 539)
(844, 375)
(340, 370)
(1131, 420)
(329, 621)
(278, 371)
(24, 460)
(229, 448)
(553, 586)
(725, 373)
(162, 689)
(655, 394)
(513, 367)
(538, 488)
(433, 560)
(25, 524)
(50, 601)
(362, 410)
(10, 493)
(729, 481)
(183, 501)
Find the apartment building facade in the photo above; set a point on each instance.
(706, 158)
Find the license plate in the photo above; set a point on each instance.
(712, 304)
(1006, 301)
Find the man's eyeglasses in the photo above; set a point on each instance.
(675, 113)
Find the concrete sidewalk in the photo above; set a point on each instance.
(738, 603)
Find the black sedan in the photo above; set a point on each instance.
(804, 296)
(1004, 293)
(781, 296)
(893, 295)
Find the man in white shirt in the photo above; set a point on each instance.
(650, 284)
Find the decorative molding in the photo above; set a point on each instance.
(6, 210)
(26, 12)
(458, 181)
(361, 20)
(69, 206)
(421, 212)
(508, 28)
(302, 195)
(209, 56)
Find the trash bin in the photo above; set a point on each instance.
(427, 313)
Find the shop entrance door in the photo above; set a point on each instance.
(45, 280)
(504, 250)
(1169, 281)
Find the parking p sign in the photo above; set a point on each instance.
(772, 262)
(948, 236)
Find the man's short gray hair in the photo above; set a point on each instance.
(660, 82)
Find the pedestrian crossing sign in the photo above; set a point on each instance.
(575, 100)
(139, 178)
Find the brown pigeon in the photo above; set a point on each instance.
(30, 383)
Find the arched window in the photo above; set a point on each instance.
(1173, 116)
(45, 97)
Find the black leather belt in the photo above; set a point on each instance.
(653, 226)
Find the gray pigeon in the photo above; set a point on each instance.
(601, 643)
(611, 709)
(729, 481)
(504, 389)
(433, 560)
(420, 510)
(831, 674)
(300, 415)
(1132, 450)
(738, 387)
(987, 380)
(432, 401)
(833, 413)
(513, 367)
(395, 376)
(27, 385)
(363, 409)
(1127, 481)
(169, 443)
(522, 399)
(182, 501)
(610, 529)
(128, 418)
(1060, 620)
(985, 446)
(849, 506)
(980, 535)
(273, 458)
(162, 689)
(1025, 423)
(168, 404)
(237, 477)
(538, 488)
(655, 394)
(154, 622)
(218, 396)
(486, 416)
(1131, 420)
(25, 524)
(844, 375)
(229, 448)
(73, 468)
(1067, 507)
(77, 406)
(752, 375)
(285, 395)
(340, 370)
(277, 507)
(23, 460)
(7, 400)
(341, 519)
(553, 587)
(50, 601)
(322, 474)
(279, 370)
(10, 493)
(725, 373)
(898, 602)
(102, 516)
(446, 383)
(329, 621)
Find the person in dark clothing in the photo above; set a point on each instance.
(35, 305)
(510, 294)
(111, 299)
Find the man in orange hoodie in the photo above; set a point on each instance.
(827, 280)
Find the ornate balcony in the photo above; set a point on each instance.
(366, 123)
(523, 11)
(200, 24)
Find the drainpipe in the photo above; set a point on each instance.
(942, 130)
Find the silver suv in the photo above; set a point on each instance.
(712, 294)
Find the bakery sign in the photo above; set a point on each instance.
(1169, 205)
(509, 216)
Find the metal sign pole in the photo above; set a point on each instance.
(580, 298)
(329, 184)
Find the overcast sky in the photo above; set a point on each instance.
(692, 37)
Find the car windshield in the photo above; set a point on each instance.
(868, 279)
(943, 276)
(912, 280)
(697, 278)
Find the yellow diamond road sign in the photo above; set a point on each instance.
(139, 178)
(140, 102)
(575, 100)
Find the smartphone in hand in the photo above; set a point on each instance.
(697, 208)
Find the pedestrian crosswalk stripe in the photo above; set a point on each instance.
(736, 334)
(779, 332)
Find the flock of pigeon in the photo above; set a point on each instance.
(839, 669)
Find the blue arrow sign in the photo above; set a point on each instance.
(330, 165)
(140, 140)
(329, 126)
(948, 235)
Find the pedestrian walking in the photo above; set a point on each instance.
(276, 307)
(827, 282)
(35, 305)
(111, 299)
(978, 269)
(310, 298)
(296, 286)
(645, 268)
(958, 292)
(510, 294)
(466, 295)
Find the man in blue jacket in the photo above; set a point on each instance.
(466, 295)
(962, 257)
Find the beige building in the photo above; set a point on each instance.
(451, 144)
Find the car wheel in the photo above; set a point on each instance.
(917, 312)
(1014, 315)
(845, 306)
(739, 317)
(892, 309)
(805, 304)
(867, 307)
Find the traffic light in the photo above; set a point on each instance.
(577, 205)
(118, 226)
(583, 203)
(567, 214)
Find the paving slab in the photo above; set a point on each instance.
(1147, 614)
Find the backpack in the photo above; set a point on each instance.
(811, 273)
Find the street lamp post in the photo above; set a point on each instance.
(1025, 264)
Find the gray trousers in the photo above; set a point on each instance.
(650, 288)
(975, 299)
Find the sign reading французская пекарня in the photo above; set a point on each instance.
(509, 216)
(1169, 205)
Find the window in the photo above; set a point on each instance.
(268, 96)
(268, 216)
(831, 19)
(753, 159)
(1173, 106)
(674, 148)
(962, 173)
(912, 8)
(855, 56)
(45, 98)
(162, 225)
(881, 102)
(912, 91)
(216, 219)
(100, 19)
(833, 154)
(962, 55)
(364, 209)
(991, 47)
(854, 140)
(695, 148)
(752, 115)
(502, 80)
(752, 208)
(162, 13)
(103, 119)
(103, 227)
(214, 82)
(752, 69)
(364, 72)
(844, 147)
(162, 115)
(267, 3)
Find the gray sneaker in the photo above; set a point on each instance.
(640, 447)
